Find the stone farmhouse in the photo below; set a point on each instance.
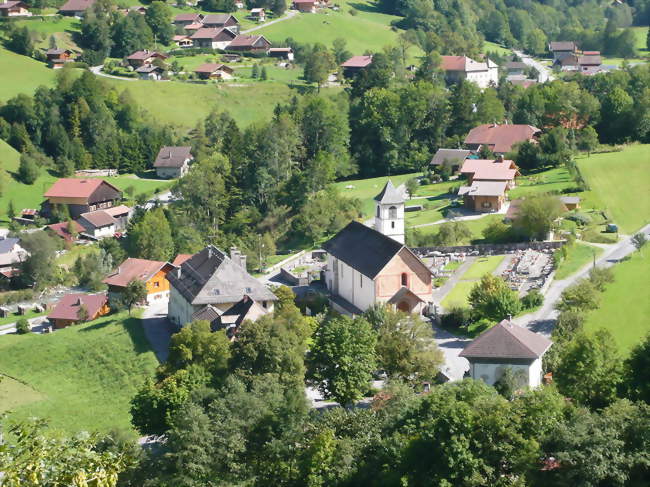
(14, 9)
(214, 286)
(152, 272)
(80, 196)
(457, 68)
(499, 138)
(173, 162)
(507, 346)
(488, 181)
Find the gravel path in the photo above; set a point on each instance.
(289, 15)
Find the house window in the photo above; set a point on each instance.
(405, 279)
(264, 304)
(487, 204)
(392, 212)
(156, 284)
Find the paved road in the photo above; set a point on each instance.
(98, 71)
(157, 328)
(36, 325)
(543, 320)
(545, 74)
(290, 14)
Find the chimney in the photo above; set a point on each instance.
(178, 272)
(79, 302)
(169, 154)
(500, 158)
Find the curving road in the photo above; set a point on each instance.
(289, 15)
(545, 74)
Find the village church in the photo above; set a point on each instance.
(367, 265)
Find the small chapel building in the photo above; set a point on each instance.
(368, 265)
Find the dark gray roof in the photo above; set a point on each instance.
(390, 194)
(507, 341)
(363, 248)
(516, 65)
(208, 313)
(562, 46)
(7, 244)
(210, 277)
(218, 19)
(449, 155)
(173, 156)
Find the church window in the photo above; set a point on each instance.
(405, 279)
(378, 211)
(360, 280)
(392, 224)
(392, 212)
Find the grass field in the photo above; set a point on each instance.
(624, 306)
(492, 47)
(641, 34)
(579, 255)
(81, 377)
(556, 179)
(619, 184)
(368, 30)
(182, 105)
(14, 394)
(460, 292)
(21, 74)
(367, 189)
(59, 27)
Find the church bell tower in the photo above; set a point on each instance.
(389, 211)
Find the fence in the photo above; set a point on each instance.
(487, 249)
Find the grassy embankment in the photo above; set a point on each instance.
(78, 378)
(624, 305)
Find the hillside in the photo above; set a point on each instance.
(21, 74)
(79, 378)
(619, 184)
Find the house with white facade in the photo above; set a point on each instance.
(457, 68)
(213, 286)
(173, 162)
(507, 346)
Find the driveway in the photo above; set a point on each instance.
(545, 74)
(98, 71)
(157, 328)
(289, 15)
(543, 320)
(451, 345)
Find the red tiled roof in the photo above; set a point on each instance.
(500, 138)
(61, 229)
(485, 169)
(68, 307)
(357, 62)
(180, 258)
(130, 269)
(462, 63)
(75, 188)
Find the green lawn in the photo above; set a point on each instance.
(71, 256)
(624, 306)
(579, 255)
(81, 377)
(619, 184)
(369, 30)
(21, 74)
(482, 266)
(460, 292)
(641, 34)
(14, 394)
(146, 186)
(556, 179)
(59, 27)
(182, 105)
(13, 317)
(492, 47)
(458, 295)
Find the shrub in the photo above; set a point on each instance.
(22, 326)
(600, 277)
(533, 299)
(16, 296)
(457, 317)
(353, 12)
(581, 219)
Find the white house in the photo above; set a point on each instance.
(173, 162)
(98, 224)
(389, 211)
(461, 67)
(211, 284)
(507, 346)
(11, 252)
